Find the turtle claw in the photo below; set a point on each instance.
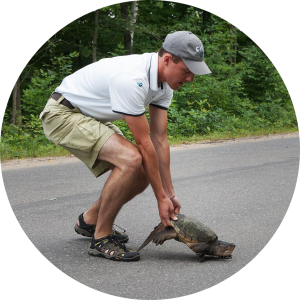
(226, 257)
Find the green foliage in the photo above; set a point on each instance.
(236, 96)
(120, 50)
(244, 92)
(262, 82)
(27, 140)
(44, 82)
(125, 129)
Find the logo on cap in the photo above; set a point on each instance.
(200, 51)
(140, 84)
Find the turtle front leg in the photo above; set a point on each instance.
(167, 234)
(201, 256)
(200, 249)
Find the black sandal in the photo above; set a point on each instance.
(88, 230)
(111, 248)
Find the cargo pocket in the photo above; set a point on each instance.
(80, 138)
(113, 127)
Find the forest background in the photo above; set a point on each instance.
(244, 95)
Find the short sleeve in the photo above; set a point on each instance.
(128, 94)
(163, 101)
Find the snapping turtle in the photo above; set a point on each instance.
(199, 238)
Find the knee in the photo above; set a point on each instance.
(133, 160)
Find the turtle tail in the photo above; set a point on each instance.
(157, 229)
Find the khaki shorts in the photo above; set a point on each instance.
(81, 135)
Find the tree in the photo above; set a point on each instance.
(16, 103)
(96, 27)
(242, 76)
(134, 11)
(129, 23)
(234, 45)
(206, 17)
(127, 35)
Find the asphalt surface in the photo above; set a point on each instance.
(241, 190)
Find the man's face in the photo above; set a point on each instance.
(178, 74)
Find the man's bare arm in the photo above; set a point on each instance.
(140, 129)
(158, 129)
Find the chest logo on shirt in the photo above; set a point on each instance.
(140, 84)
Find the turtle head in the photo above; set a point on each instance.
(221, 249)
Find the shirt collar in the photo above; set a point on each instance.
(154, 72)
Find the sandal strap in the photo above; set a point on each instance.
(88, 230)
(110, 247)
(118, 227)
(112, 243)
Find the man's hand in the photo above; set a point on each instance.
(176, 205)
(166, 210)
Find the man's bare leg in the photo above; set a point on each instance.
(91, 215)
(121, 186)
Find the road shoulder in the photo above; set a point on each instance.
(49, 161)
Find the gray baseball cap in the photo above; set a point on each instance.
(189, 48)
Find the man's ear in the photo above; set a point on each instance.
(167, 58)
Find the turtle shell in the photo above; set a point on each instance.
(192, 231)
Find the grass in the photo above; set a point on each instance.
(44, 148)
(176, 140)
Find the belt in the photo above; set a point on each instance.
(64, 102)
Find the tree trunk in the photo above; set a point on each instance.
(206, 17)
(96, 27)
(134, 10)
(127, 36)
(16, 104)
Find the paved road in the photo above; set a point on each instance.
(241, 190)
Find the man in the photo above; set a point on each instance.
(78, 117)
